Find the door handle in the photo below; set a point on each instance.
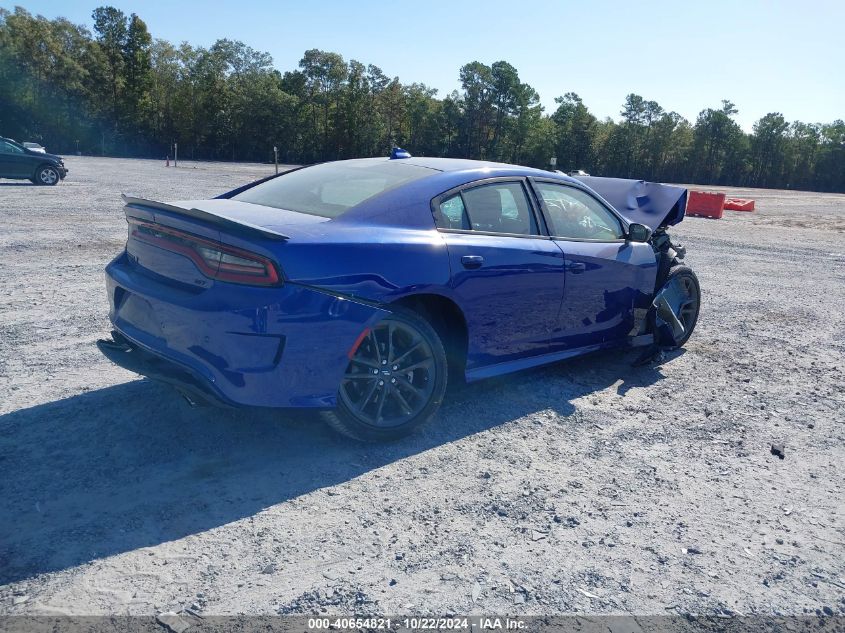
(576, 267)
(472, 261)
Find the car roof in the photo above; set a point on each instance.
(466, 170)
(447, 174)
(459, 171)
(13, 141)
(466, 164)
(453, 164)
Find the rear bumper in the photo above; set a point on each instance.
(237, 345)
(122, 352)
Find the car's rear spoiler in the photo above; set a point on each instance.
(231, 226)
(648, 203)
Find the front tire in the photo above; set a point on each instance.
(47, 175)
(683, 297)
(395, 381)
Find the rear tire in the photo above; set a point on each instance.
(47, 175)
(394, 382)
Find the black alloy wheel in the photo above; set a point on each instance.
(684, 293)
(394, 382)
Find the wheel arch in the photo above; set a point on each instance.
(448, 320)
(40, 166)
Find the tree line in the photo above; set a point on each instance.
(115, 90)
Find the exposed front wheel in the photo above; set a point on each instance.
(677, 304)
(394, 382)
(47, 176)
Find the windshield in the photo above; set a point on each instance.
(8, 146)
(330, 189)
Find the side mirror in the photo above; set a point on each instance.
(638, 232)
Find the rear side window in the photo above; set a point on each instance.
(494, 208)
(330, 189)
(500, 207)
(452, 214)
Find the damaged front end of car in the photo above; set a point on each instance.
(674, 308)
(675, 304)
(676, 296)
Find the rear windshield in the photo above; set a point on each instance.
(330, 189)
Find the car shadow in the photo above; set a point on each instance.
(131, 466)
(644, 379)
(18, 184)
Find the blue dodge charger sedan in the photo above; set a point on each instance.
(362, 287)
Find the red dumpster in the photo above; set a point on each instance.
(705, 204)
(739, 204)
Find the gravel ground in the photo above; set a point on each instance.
(586, 487)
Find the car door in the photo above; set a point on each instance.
(14, 162)
(609, 280)
(507, 277)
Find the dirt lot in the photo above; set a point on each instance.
(589, 486)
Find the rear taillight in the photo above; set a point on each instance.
(214, 259)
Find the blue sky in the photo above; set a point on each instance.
(763, 55)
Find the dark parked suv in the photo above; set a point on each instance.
(16, 161)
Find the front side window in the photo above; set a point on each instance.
(574, 214)
(500, 207)
(330, 189)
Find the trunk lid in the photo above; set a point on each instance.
(167, 239)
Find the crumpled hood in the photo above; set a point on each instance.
(647, 203)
